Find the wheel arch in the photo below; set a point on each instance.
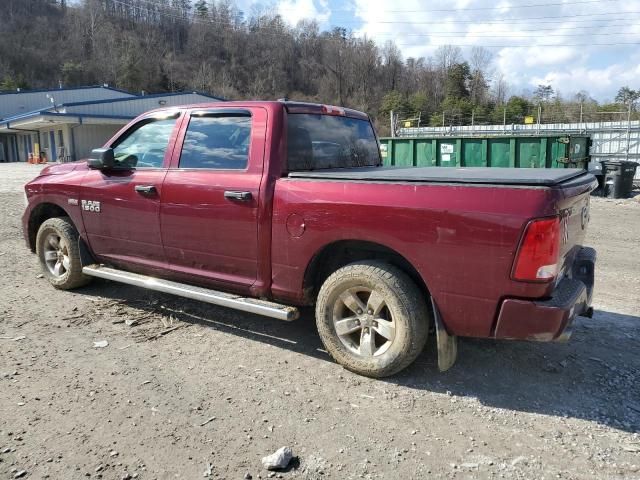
(337, 254)
(39, 214)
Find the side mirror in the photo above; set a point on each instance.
(101, 159)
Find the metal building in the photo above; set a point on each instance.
(66, 124)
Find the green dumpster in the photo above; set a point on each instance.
(559, 151)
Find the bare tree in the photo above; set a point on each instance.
(211, 45)
(447, 56)
(500, 90)
(391, 65)
(480, 63)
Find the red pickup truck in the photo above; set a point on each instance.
(268, 206)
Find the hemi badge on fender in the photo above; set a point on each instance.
(72, 201)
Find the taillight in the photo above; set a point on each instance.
(537, 258)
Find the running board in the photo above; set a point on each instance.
(237, 302)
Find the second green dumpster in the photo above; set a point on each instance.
(561, 151)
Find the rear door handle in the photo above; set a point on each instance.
(146, 189)
(240, 196)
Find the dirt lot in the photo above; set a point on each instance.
(227, 388)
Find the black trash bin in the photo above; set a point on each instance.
(618, 178)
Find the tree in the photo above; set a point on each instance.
(73, 74)
(480, 65)
(627, 96)
(395, 101)
(583, 97)
(173, 45)
(543, 93)
(391, 64)
(457, 110)
(456, 86)
(500, 90)
(419, 104)
(447, 56)
(9, 83)
(516, 109)
(202, 10)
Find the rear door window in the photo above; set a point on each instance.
(217, 141)
(325, 141)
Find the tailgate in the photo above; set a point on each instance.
(574, 210)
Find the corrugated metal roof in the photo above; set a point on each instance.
(135, 106)
(94, 99)
(15, 103)
(20, 91)
(112, 109)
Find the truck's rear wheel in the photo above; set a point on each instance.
(59, 254)
(372, 318)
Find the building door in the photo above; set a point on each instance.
(52, 146)
(13, 145)
(61, 149)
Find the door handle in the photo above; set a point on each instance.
(146, 189)
(240, 196)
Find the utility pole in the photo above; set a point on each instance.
(539, 115)
(504, 119)
(393, 130)
(472, 117)
(443, 118)
(628, 130)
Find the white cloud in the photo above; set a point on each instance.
(295, 10)
(561, 48)
(600, 82)
(292, 11)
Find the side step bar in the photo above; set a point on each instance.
(237, 302)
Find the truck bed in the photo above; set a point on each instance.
(540, 177)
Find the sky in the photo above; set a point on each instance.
(573, 45)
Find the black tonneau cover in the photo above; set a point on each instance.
(546, 177)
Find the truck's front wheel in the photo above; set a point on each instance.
(59, 254)
(372, 318)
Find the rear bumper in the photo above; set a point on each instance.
(551, 318)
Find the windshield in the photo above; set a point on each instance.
(325, 141)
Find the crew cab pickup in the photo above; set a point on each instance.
(268, 206)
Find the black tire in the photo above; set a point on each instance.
(70, 275)
(405, 306)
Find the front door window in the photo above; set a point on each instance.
(146, 145)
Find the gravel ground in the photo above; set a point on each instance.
(215, 395)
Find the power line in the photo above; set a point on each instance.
(201, 20)
(457, 10)
(520, 46)
(449, 21)
(509, 21)
(466, 9)
(204, 20)
(468, 33)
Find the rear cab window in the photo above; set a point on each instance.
(323, 141)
